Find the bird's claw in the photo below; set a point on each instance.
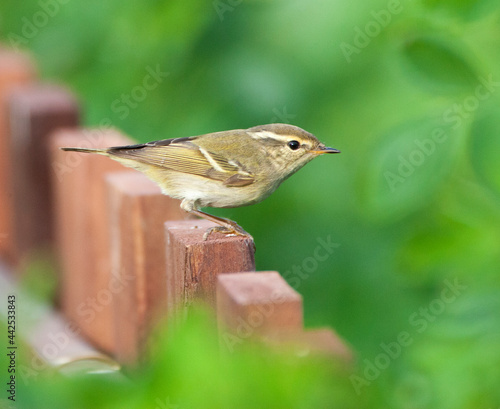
(232, 229)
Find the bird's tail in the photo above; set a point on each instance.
(85, 150)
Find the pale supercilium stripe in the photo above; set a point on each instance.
(269, 135)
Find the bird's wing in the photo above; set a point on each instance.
(182, 155)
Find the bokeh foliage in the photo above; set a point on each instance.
(412, 201)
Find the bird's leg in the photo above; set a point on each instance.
(226, 226)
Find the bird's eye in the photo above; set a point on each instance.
(294, 145)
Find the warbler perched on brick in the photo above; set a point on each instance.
(221, 169)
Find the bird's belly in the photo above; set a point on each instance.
(210, 193)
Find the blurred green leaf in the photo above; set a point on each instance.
(468, 9)
(406, 166)
(437, 349)
(438, 66)
(485, 148)
(39, 276)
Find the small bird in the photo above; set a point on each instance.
(221, 169)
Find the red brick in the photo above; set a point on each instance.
(137, 213)
(193, 264)
(311, 342)
(82, 228)
(35, 112)
(256, 304)
(15, 69)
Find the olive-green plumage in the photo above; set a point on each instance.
(221, 169)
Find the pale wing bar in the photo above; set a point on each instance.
(182, 156)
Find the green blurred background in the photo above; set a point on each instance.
(408, 90)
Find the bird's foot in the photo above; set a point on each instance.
(229, 229)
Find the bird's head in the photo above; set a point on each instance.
(288, 146)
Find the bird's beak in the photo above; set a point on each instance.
(325, 149)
